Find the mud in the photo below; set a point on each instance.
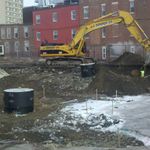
(52, 87)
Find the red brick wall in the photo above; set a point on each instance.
(63, 25)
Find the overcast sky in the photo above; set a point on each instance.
(28, 3)
(32, 3)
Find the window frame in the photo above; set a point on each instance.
(73, 15)
(132, 6)
(104, 52)
(73, 32)
(103, 32)
(26, 45)
(38, 36)
(103, 9)
(38, 19)
(26, 31)
(2, 51)
(85, 12)
(16, 32)
(8, 32)
(3, 33)
(16, 46)
(54, 17)
(55, 35)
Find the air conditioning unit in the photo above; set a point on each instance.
(2, 52)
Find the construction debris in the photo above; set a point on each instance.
(129, 59)
(3, 73)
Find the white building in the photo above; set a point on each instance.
(11, 11)
(45, 3)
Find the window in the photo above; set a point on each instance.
(73, 15)
(26, 46)
(16, 33)
(8, 33)
(16, 46)
(55, 17)
(104, 53)
(38, 19)
(2, 33)
(85, 12)
(38, 36)
(73, 33)
(132, 6)
(132, 49)
(1, 50)
(114, 6)
(115, 30)
(103, 32)
(7, 47)
(55, 35)
(103, 9)
(26, 32)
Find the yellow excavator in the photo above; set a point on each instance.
(75, 50)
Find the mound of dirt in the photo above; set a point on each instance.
(107, 81)
(129, 59)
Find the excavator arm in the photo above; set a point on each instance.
(74, 49)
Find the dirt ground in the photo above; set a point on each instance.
(53, 86)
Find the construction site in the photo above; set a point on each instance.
(52, 126)
(77, 95)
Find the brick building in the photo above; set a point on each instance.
(110, 42)
(56, 25)
(17, 40)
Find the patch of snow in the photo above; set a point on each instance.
(107, 114)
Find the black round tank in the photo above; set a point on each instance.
(19, 100)
(88, 69)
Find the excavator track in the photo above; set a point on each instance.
(68, 61)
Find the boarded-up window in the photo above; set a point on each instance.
(103, 32)
(16, 46)
(55, 17)
(114, 6)
(103, 9)
(115, 30)
(8, 33)
(3, 36)
(7, 47)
